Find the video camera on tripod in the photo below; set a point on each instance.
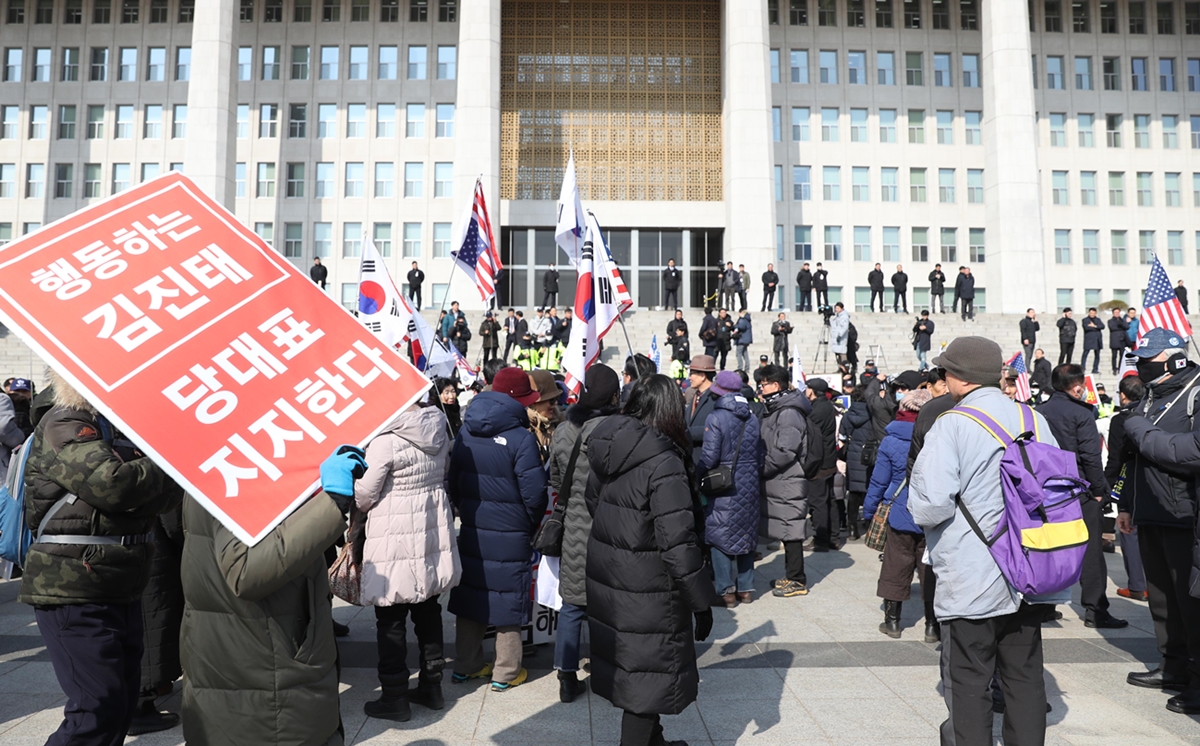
(826, 312)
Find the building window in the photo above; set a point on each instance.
(92, 182)
(445, 121)
(129, 10)
(1137, 17)
(798, 59)
(1112, 73)
(273, 12)
(941, 71)
(414, 179)
(323, 242)
(1145, 247)
(385, 179)
(1166, 74)
(858, 125)
(773, 57)
(949, 245)
(385, 120)
(1141, 131)
(916, 184)
(8, 180)
(270, 63)
(245, 63)
(441, 241)
(70, 64)
(1081, 16)
(1117, 243)
(889, 178)
(239, 180)
(243, 121)
(360, 11)
(73, 12)
(331, 11)
(416, 63)
(1053, 16)
(39, 122)
(920, 244)
(833, 243)
(914, 73)
(1195, 129)
(300, 59)
(66, 122)
(862, 243)
(1054, 73)
(884, 14)
(886, 67)
(1087, 188)
(1165, 16)
(827, 12)
(1196, 190)
(912, 14)
(293, 240)
(356, 121)
(187, 10)
(1112, 125)
(412, 240)
(1191, 18)
(414, 123)
(945, 127)
(325, 186)
(95, 122)
(798, 12)
(1091, 249)
(1062, 247)
(64, 180)
(122, 176)
(1058, 130)
(829, 68)
(941, 15)
(152, 124)
(268, 120)
(359, 62)
(389, 11)
(976, 252)
(891, 244)
(295, 180)
(298, 120)
(443, 180)
(246, 11)
(800, 126)
(1145, 189)
(802, 243)
(264, 185)
(1058, 188)
(127, 70)
(970, 63)
(41, 66)
(1175, 247)
(946, 186)
(183, 64)
(1087, 125)
(124, 127)
(1116, 188)
(829, 125)
(102, 11)
(1193, 70)
(974, 186)
(265, 231)
(831, 183)
(1172, 189)
(352, 234)
(354, 184)
(776, 124)
(887, 125)
(1138, 74)
(326, 121)
(329, 63)
(801, 184)
(447, 64)
(916, 126)
(448, 11)
(1083, 73)
(856, 68)
(389, 62)
(860, 180)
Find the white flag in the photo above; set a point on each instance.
(429, 355)
(583, 347)
(569, 231)
(799, 382)
(655, 354)
(379, 301)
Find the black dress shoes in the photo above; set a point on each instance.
(1155, 680)
(1186, 703)
(1105, 621)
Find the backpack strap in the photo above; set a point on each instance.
(996, 430)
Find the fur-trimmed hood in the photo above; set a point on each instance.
(577, 414)
(65, 394)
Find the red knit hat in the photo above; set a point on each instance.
(515, 382)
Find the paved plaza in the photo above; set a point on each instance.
(801, 671)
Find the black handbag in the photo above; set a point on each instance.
(719, 479)
(870, 451)
(548, 540)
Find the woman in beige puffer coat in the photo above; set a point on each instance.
(410, 555)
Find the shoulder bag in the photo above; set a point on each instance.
(548, 540)
(719, 479)
(345, 574)
(877, 532)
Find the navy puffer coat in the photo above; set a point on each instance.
(498, 485)
(887, 477)
(852, 435)
(731, 519)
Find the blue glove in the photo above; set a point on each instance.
(339, 471)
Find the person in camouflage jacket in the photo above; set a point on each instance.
(87, 594)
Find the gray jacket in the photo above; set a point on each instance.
(783, 514)
(961, 459)
(839, 330)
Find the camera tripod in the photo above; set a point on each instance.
(822, 353)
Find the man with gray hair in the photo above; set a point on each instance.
(986, 625)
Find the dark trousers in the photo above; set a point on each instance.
(549, 299)
(975, 649)
(823, 297)
(640, 730)
(741, 300)
(805, 300)
(937, 303)
(510, 342)
(928, 590)
(711, 350)
(1095, 359)
(1028, 355)
(768, 298)
(968, 308)
(899, 300)
(877, 293)
(854, 502)
(96, 651)
(820, 501)
(1093, 580)
(901, 556)
(1166, 557)
(723, 351)
(1117, 354)
(781, 357)
(954, 305)
(414, 296)
(1065, 351)
(671, 298)
(391, 634)
(793, 561)
(488, 353)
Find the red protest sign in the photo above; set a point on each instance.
(210, 350)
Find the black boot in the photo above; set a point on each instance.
(392, 705)
(429, 694)
(147, 719)
(933, 632)
(569, 686)
(429, 683)
(891, 619)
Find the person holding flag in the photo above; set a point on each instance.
(1021, 382)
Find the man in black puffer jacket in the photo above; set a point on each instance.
(1073, 422)
(91, 513)
(1160, 499)
(820, 494)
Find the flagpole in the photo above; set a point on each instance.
(621, 318)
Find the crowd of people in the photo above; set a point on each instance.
(666, 488)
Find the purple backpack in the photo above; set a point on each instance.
(1041, 537)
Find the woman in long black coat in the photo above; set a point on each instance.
(852, 436)
(645, 569)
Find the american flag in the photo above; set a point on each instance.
(478, 255)
(461, 363)
(1161, 308)
(1017, 363)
